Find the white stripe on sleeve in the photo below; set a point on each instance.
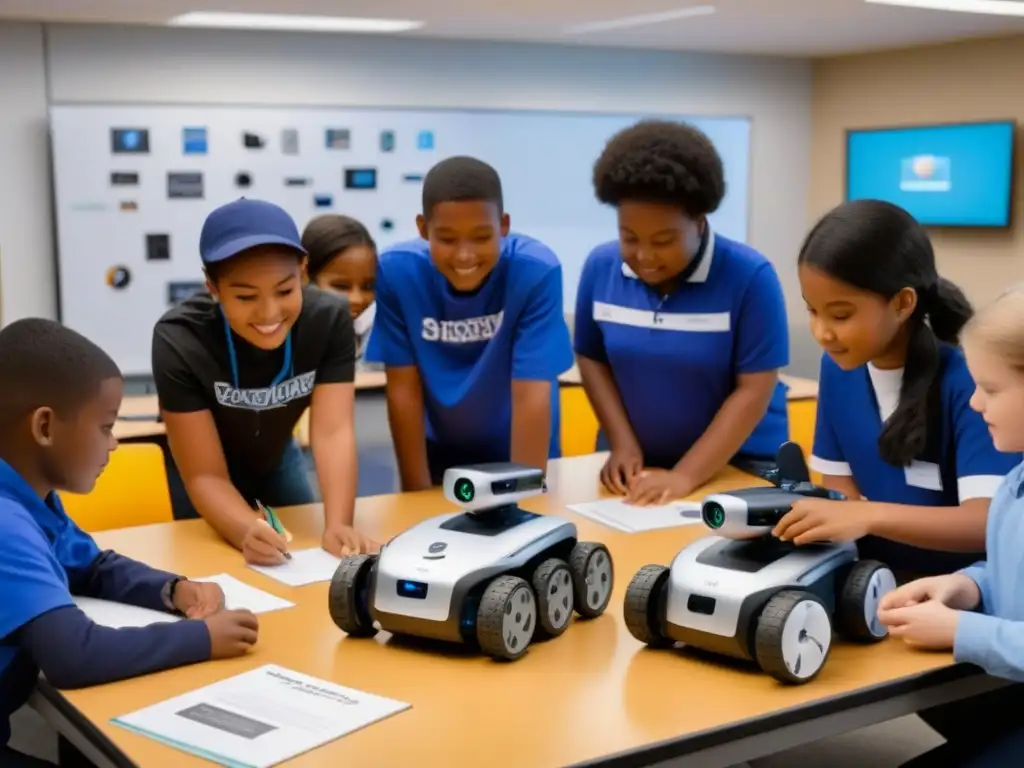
(827, 467)
(978, 486)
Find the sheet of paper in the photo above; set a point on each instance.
(307, 566)
(616, 513)
(239, 595)
(118, 615)
(260, 718)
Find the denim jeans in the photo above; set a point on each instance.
(285, 485)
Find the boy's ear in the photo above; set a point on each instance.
(506, 221)
(41, 424)
(421, 225)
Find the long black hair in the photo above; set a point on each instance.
(880, 248)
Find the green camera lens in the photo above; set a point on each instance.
(713, 514)
(464, 490)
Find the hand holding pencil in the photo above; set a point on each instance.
(266, 541)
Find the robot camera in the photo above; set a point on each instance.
(746, 514)
(479, 487)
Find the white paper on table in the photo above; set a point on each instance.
(107, 613)
(259, 718)
(616, 513)
(239, 595)
(307, 566)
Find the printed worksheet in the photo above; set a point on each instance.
(616, 513)
(260, 718)
(237, 595)
(307, 566)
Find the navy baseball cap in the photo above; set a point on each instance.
(245, 224)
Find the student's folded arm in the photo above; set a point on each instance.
(541, 352)
(994, 644)
(332, 433)
(111, 576)
(761, 349)
(72, 651)
(595, 372)
(390, 345)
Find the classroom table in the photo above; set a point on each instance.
(139, 414)
(592, 697)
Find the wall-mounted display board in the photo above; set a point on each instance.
(132, 185)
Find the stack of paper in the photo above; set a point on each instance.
(237, 595)
(307, 566)
(260, 718)
(617, 514)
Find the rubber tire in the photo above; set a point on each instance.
(579, 559)
(768, 636)
(347, 610)
(541, 581)
(644, 606)
(490, 618)
(850, 621)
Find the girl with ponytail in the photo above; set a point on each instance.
(895, 431)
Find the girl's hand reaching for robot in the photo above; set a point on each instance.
(813, 520)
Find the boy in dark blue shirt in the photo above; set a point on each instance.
(471, 329)
(59, 397)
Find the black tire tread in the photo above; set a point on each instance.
(489, 617)
(768, 636)
(645, 600)
(850, 622)
(348, 614)
(578, 560)
(540, 580)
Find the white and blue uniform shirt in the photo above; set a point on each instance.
(675, 357)
(469, 347)
(959, 463)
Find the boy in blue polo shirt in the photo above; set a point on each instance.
(680, 332)
(59, 397)
(470, 327)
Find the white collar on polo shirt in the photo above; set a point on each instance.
(700, 274)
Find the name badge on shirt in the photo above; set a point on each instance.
(709, 322)
(923, 474)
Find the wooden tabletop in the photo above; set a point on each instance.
(592, 692)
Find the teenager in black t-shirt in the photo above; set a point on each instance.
(235, 368)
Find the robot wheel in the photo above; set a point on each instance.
(347, 599)
(553, 585)
(645, 605)
(793, 637)
(506, 618)
(865, 585)
(593, 576)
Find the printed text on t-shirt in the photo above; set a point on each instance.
(466, 331)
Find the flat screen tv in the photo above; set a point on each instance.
(958, 175)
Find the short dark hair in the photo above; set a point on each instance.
(328, 235)
(659, 161)
(46, 364)
(459, 179)
(880, 248)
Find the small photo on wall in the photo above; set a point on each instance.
(338, 138)
(129, 141)
(193, 141)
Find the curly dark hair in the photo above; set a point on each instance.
(660, 161)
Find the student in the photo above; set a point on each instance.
(471, 330)
(894, 424)
(680, 331)
(978, 612)
(236, 367)
(59, 397)
(343, 259)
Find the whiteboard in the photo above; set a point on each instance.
(105, 229)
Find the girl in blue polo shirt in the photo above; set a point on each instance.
(471, 330)
(680, 332)
(895, 431)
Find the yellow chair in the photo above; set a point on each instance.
(579, 422)
(131, 491)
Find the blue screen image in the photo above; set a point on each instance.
(943, 175)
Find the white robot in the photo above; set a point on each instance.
(494, 576)
(746, 595)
